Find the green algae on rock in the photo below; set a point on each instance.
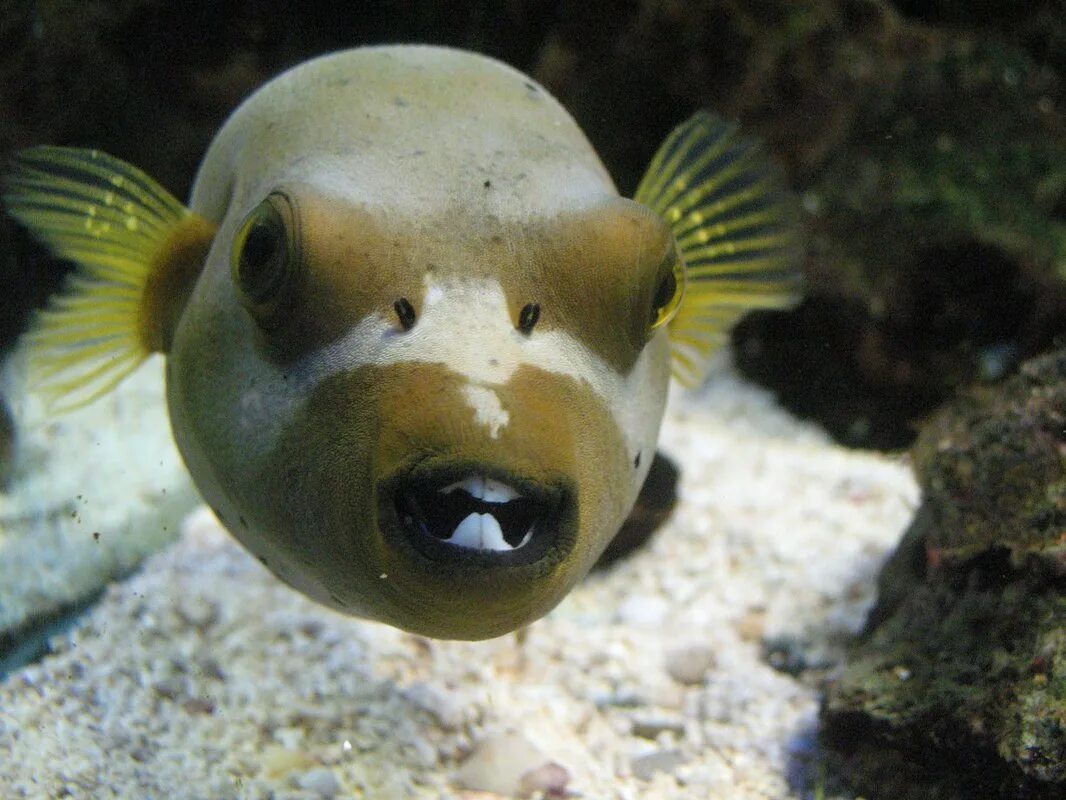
(938, 229)
(958, 687)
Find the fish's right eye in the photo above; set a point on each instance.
(265, 261)
(669, 291)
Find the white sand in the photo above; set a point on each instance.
(93, 493)
(204, 677)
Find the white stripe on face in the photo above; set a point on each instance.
(488, 410)
(466, 326)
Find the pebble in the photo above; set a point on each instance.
(391, 720)
(170, 688)
(321, 781)
(197, 612)
(645, 766)
(549, 779)
(498, 763)
(277, 761)
(689, 665)
(643, 611)
(445, 708)
(650, 727)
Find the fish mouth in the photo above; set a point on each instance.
(477, 514)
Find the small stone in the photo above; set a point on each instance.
(643, 611)
(321, 781)
(752, 625)
(498, 764)
(170, 688)
(280, 761)
(197, 612)
(445, 708)
(199, 705)
(645, 766)
(423, 753)
(689, 665)
(549, 780)
(651, 727)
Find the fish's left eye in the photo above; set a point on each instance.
(669, 292)
(265, 261)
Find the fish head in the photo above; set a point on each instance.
(435, 423)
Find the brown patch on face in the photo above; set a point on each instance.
(171, 278)
(313, 506)
(351, 266)
(593, 273)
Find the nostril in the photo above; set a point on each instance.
(528, 317)
(405, 312)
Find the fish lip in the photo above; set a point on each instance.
(554, 531)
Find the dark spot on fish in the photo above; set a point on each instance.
(243, 521)
(636, 461)
(405, 312)
(487, 184)
(96, 536)
(494, 362)
(399, 101)
(219, 514)
(528, 317)
(531, 88)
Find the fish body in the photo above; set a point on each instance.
(418, 347)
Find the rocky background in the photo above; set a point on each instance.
(957, 688)
(927, 141)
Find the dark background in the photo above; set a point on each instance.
(926, 140)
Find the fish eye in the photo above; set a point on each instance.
(669, 292)
(265, 258)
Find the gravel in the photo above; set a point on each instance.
(202, 676)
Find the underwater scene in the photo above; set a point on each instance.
(644, 400)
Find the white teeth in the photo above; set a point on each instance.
(492, 534)
(480, 532)
(467, 533)
(485, 489)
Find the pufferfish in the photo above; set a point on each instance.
(417, 345)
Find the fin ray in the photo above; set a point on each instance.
(117, 225)
(737, 231)
(102, 170)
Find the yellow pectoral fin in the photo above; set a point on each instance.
(138, 253)
(736, 227)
